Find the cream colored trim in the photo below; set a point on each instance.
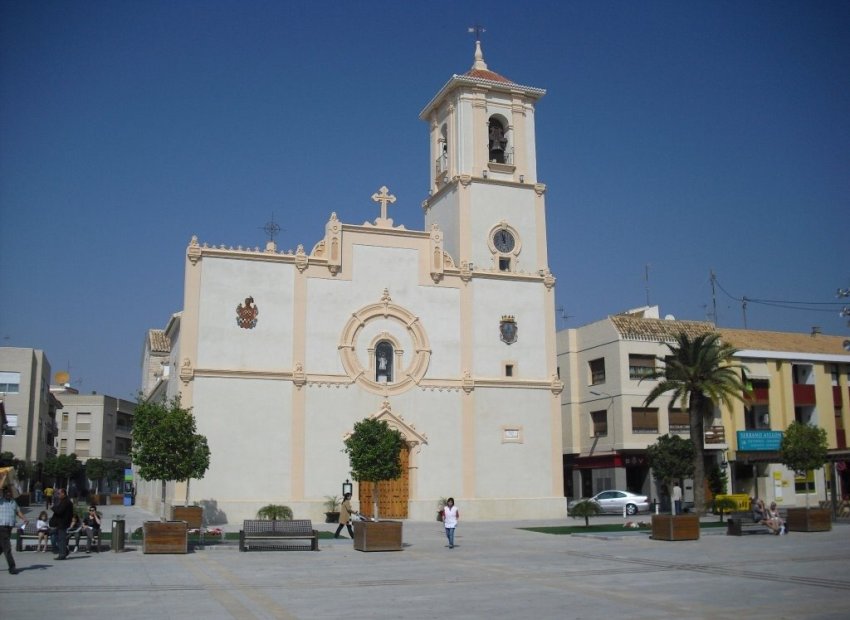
(503, 225)
(299, 396)
(188, 341)
(383, 310)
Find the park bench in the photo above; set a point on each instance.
(257, 533)
(28, 536)
(739, 523)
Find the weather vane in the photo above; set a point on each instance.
(477, 29)
(271, 228)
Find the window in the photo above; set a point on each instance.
(599, 420)
(509, 370)
(757, 417)
(64, 420)
(83, 422)
(504, 263)
(641, 366)
(123, 445)
(11, 427)
(10, 382)
(384, 362)
(597, 371)
(644, 420)
(81, 447)
(63, 446)
(679, 420)
(498, 142)
(805, 484)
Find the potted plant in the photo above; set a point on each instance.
(374, 451)
(331, 504)
(441, 503)
(672, 458)
(166, 447)
(804, 448)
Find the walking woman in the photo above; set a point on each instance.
(451, 515)
(345, 513)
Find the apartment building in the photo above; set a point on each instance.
(94, 425)
(607, 428)
(30, 429)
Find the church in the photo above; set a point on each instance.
(447, 333)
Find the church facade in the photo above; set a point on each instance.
(447, 333)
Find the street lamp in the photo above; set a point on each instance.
(347, 487)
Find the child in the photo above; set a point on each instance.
(43, 530)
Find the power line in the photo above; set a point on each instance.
(778, 303)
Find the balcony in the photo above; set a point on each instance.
(715, 435)
(836, 395)
(758, 396)
(840, 438)
(804, 395)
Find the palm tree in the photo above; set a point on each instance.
(700, 373)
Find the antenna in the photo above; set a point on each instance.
(646, 280)
(713, 296)
(563, 314)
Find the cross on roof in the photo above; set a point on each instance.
(383, 196)
(477, 29)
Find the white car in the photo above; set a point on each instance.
(614, 501)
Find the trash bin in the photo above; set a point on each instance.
(118, 534)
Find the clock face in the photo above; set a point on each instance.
(503, 240)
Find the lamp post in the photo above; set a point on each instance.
(347, 487)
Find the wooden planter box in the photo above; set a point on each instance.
(377, 535)
(166, 537)
(675, 527)
(809, 520)
(192, 515)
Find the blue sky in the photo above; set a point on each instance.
(687, 136)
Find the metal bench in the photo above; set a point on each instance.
(280, 535)
(28, 537)
(739, 523)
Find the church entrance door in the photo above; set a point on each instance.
(392, 494)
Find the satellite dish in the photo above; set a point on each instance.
(62, 377)
(847, 345)
(669, 317)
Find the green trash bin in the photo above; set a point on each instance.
(118, 527)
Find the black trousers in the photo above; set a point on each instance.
(6, 544)
(348, 525)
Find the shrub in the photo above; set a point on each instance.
(275, 512)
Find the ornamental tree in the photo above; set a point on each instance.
(671, 458)
(374, 452)
(166, 446)
(803, 448)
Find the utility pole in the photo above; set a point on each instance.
(713, 297)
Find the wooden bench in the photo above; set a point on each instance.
(256, 533)
(30, 533)
(740, 522)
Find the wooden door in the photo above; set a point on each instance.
(392, 494)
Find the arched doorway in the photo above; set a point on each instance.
(392, 494)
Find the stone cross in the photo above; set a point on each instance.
(383, 196)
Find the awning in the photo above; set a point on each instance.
(756, 369)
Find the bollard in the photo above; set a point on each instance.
(624, 512)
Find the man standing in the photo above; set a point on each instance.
(63, 511)
(9, 511)
(677, 499)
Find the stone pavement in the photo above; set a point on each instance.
(496, 571)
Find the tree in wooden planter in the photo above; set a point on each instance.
(166, 446)
(374, 451)
(700, 372)
(672, 458)
(804, 448)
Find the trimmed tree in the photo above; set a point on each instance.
(165, 444)
(96, 472)
(700, 373)
(671, 458)
(803, 449)
(585, 508)
(374, 452)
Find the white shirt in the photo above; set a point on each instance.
(450, 516)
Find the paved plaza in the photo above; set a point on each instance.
(496, 571)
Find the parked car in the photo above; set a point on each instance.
(614, 501)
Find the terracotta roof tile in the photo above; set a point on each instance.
(657, 330)
(783, 341)
(159, 342)
(486, 74)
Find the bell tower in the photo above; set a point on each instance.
(484, 194)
